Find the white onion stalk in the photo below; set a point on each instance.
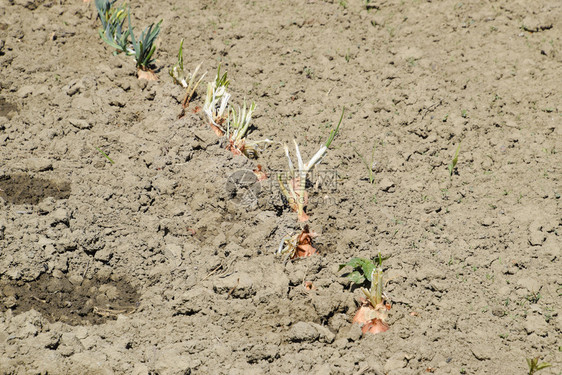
(216, 103)
(239, 122)
(236, 129)
(295, 189)
(188, 82)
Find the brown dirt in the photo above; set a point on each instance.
(475, 271)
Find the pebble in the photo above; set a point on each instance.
(10, 302)
(431, 207)
(558, 322)
(49, 340)
(192, 301)
(75, 279)
(534, 24)
(47, 205)
(353, 333)
(58, 274)
(74, 87)
(238, 285)
(69, 344)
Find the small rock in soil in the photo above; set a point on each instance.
(69, 344)
(75, 279)
(173, 253)
(192, 301)
(25, 91)
(558, 322)
(49, 340)
(47, 205)
(535, 24)
(10, 302)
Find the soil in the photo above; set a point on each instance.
(161, 257)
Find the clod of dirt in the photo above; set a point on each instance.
(386, 185)
(396, 362)
(536, 324)
(80, 124)
(534, 25)
(238, 285)
(303, 332)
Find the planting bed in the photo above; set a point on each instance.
(163, 262)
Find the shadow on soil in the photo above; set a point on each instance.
(91, 301)
(24, 189)
(7, 109)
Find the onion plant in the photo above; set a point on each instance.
(367, 270)
(368, 164)
(143, 48)
(454, 162)
(105, 9)
(187, 81)
(294, 190)
(372, 313)
(298, 245)
(216, 102)
(237, 127)
(112, 20)
(124, 40)
(535, 366)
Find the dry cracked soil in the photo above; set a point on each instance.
(162, 260)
